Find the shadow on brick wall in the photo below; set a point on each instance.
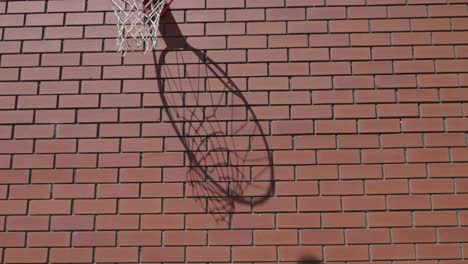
(230, 165)
(309, 259)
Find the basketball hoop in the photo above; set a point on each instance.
(137, 23)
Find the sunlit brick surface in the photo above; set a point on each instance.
(292, 131)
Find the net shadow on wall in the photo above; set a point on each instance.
(230, 165)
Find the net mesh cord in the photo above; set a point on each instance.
(137, 24)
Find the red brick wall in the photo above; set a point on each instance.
(287, 131)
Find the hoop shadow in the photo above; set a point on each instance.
(230, 165)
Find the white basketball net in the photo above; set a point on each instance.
(137, 23)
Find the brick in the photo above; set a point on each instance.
(162, 222)
(296, 253)
(92, 238)
(377, 67)
(441, 251)
(190, 238)
(117, 222)
(207, 42)
(277, 204)
(124, 254)
(341, 26)
(27, 223)
(257, 69)
(431, 186)
(101, 206)
(374, 39)
(100, 86)
(429, 155)
(407, 11)
(367, 12)
(257, 221)
(60, 59)
(208, 254)
(141, 174)
(63, 6)
(140, 206)
(76, 131)
(386, 53)
(245, 15)
(83, 18)
(368, 236)
(73, 191)
(308, 54)
(9, 74)
(329, 40)
(10, 46)
(435, 218)
(44, 19)
(338, 157)
(392, 252)
(336, 220)
(293, 188)
(20, 60)
(453, 94)
(389, 219)
(456, 124)
(63, 32)
(12, 20)
(234, 237)
(258, 253)
(26, 255)
(449, 10)
(42, 46)
(55, 116)
(12, 239)
(84, 45)
(410, 235)
(49, 207)
(119, 130)
(444, 201)
(404, 171)
(451, 234)
(414, 202)
(363, 203)
(22, 33)
(326, 13)
(416, 95)
(426, 124)
(164, 254)
(10, 207)
(306, 27)
(389, 25)
(71, 255)
(318, 237)
(289, 69)
(119, 160)
(434, 52)
(336, 253)
(329, 68)
(225, 29)
(264, 3)
(56, 146)
(294, 41)
(59, 87)
(49, 239)
(75, 222)
(398, 110)
(416, 38)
